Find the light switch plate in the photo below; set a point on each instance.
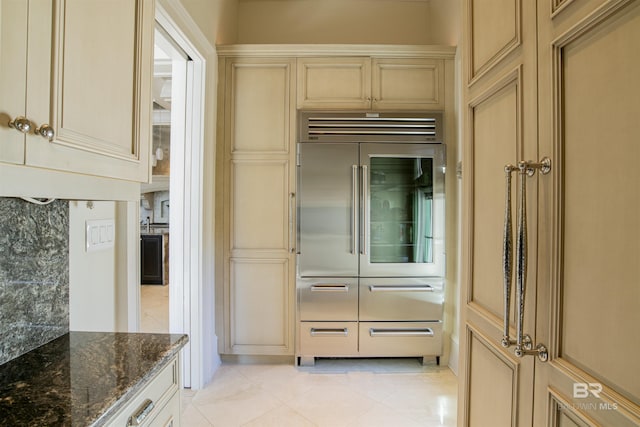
(100, 234)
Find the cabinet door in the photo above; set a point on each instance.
(260, 307)
(151, 256)
(89, 80)
(13, 78)
(407, 84)
(334, 83)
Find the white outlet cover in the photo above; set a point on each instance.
(100, 234)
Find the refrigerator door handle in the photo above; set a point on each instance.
(396, 288)
(330, 287)
(365, 208)
(354, 208)
(292, 223)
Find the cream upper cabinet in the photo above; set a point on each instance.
(334, 83)
(75, 91)
(258, 122)
(408, 83)
(379, 83)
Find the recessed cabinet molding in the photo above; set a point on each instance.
(83, 85)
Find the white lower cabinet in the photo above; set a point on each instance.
(156, 405)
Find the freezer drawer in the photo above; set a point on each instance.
(401, 299)
(328, 299)
(400, 339)
(334, 339)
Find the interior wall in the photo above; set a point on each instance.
(334, 21)
(92, 274)
(445, 22)
(217, 19)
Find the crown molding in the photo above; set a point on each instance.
(309, 50)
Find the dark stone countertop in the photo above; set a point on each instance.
(81, 378)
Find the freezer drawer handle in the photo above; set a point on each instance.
(391, 288)
(343, 332)
(423, 332)
(330, 287)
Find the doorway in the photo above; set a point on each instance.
(156, 199)
(180, 73)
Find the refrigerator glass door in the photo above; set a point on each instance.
(328, 176)
(402, 231)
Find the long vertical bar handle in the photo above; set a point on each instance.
(365, 208)
(524, 344)
(507, 256)
(354, 208)
(521, 256)
(292, 246)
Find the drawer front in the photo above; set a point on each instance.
(400, 338)
(328, 299)
(169, 416)
(334, 339)
(401, 299)
(149, 402)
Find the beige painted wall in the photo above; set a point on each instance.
(217, 19)
(333, 21)
(327, 21)
(445, 22)
(92, 291)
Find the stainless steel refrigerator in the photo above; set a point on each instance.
(371, 252)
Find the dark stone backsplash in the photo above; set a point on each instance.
(34, 275)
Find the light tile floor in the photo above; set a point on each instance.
(154, 308)
(333, 393)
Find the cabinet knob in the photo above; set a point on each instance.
(21, 124)
(46, 131)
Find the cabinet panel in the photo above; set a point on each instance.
(259, 105)
(259, 204)
(496, 31)
(13, 77)
(334, 82)
(260, 319)
(408, 83)
(109, 53)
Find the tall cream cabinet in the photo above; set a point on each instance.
(257, 127)
(75, 91)
(261, 89)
